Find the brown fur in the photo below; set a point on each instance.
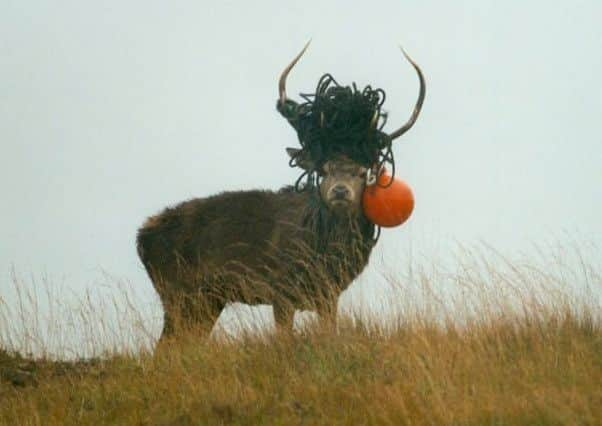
(289, 249)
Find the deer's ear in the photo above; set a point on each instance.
(300, 158)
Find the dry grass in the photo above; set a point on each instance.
(518, 358)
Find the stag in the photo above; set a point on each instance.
(295, 248)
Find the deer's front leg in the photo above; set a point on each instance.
(284, 315)
(328, 314)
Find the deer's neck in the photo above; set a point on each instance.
(335, 230)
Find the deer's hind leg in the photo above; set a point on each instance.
(201, 312)
(184, 313)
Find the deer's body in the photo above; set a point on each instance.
(282, 248)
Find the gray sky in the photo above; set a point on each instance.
(110, 111)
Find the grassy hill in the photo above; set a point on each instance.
(534, 371)
(529, 363)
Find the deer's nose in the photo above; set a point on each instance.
(340, 192)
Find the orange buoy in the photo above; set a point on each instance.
(390, 206)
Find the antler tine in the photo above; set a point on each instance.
(419, 102)
(289, 67)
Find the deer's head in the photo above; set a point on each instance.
(341, 181)
(343, 142)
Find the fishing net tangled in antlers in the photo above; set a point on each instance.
(339, 120)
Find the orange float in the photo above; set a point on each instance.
(390, 206)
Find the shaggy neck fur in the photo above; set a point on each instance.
(333, 230)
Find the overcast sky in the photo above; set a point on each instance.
(109, 111)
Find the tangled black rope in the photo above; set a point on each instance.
(339, 120)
